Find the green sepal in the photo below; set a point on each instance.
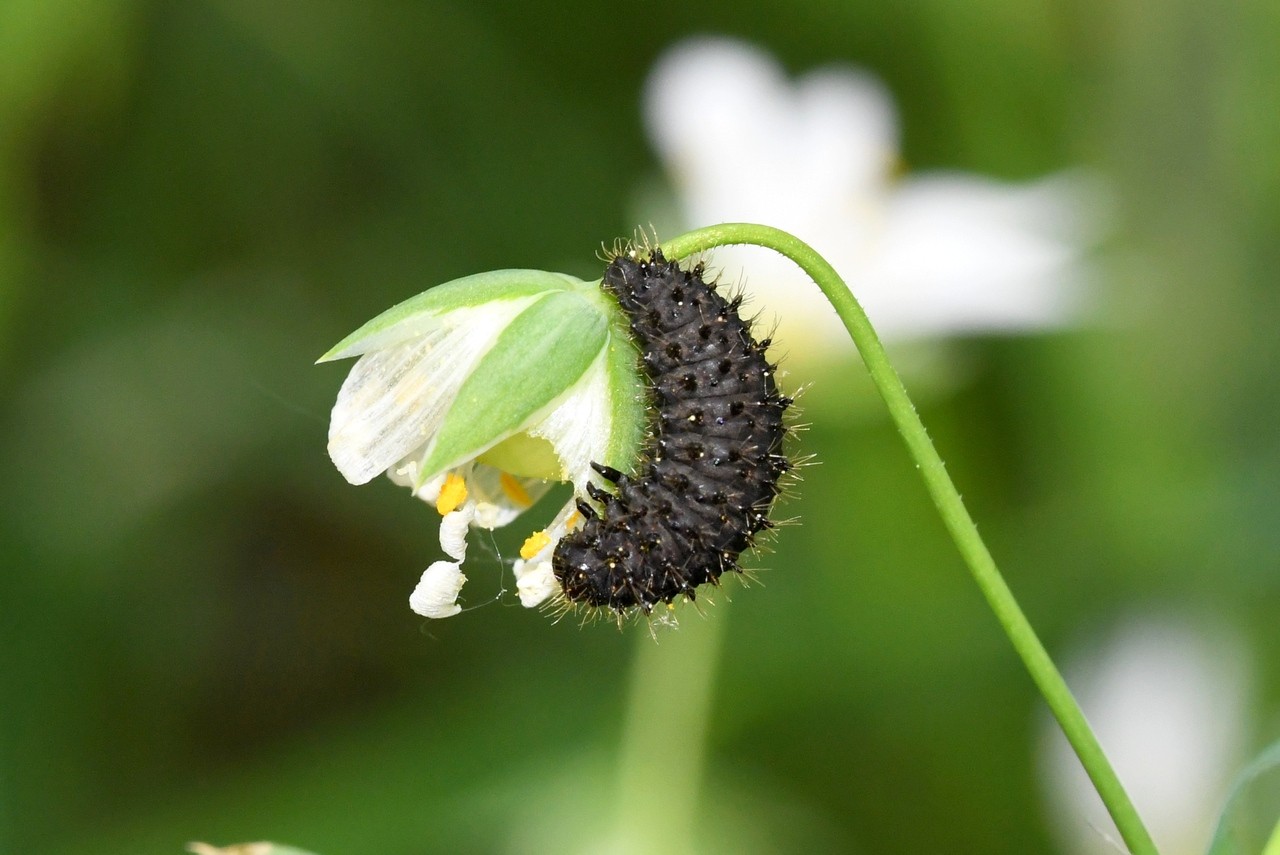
(535, 360)
(628, 394)
(402, 320)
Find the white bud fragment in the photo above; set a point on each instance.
(437, 593)
(535, 582)
(453, 531)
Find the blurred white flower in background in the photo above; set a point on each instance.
(928, 255)
(1167, 699)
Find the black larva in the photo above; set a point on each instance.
(713, 463)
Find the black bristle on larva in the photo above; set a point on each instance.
(713, 462)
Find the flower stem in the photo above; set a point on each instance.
(947, 500)
(664, 740)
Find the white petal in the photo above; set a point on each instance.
(500, 496)
(453, 531)
(702, 93)
(437, 592)
(718, 112)
(962, 253)
(743, 144)
(536, 582)
(844, 138)
(581, 425)
(395, 400)
(939, 256)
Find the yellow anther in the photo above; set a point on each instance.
(573, 520)
(514, 490)
(452, 494)
(534, 544)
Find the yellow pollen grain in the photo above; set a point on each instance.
(452, 494)
(514, 490)
(534, 544)
(573, 520)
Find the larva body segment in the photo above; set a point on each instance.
(713, 463)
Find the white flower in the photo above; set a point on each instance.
(478, 395)
(927, 256)
(1167, 699)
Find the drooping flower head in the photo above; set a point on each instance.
(480, 394)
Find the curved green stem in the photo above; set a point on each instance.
(945, 497)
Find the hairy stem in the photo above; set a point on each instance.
(947, 500)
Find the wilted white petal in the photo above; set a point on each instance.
(436, 595)
(536, 582)
(1167, 700)
(453, 531)
(394, 400)
(580, 425)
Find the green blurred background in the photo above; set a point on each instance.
(205, 632)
